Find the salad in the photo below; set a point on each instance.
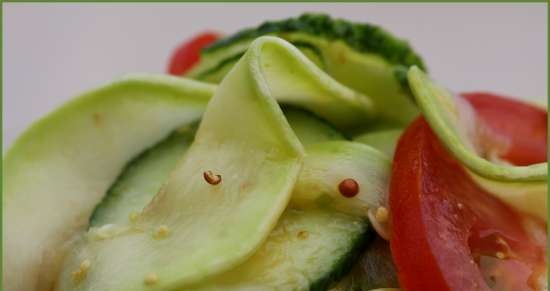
(309, 153)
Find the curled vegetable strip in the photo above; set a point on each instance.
(64, 164)
(327, 165)
(522, 187)
(209, 228)
(443, 115)
(182, 236)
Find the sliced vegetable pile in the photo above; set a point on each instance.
(308, 154)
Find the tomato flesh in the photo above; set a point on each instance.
(523, 126)
(450, 234)
(188, 53)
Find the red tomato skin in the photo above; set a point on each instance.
(441, 219)
(412, 249)
(188, 53)
(523, 125)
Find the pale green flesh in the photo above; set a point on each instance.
(258, 157)
(382, 140)
(443, 115)
(143, 177)
(64, 164)
(308, 250)
(322, 252)
(141, 180)
(327, 164)
(310, 129)
(272, 68)
(522, 187)
(283, 64)
(322, 255)
(367, 73)
(244, 137)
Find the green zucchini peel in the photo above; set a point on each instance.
(442, 113)
(522, 187)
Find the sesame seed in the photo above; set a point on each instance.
(133, 217)
(500, 255)
(85, 265)
(151, 279)
(162, 231)
(382, 214)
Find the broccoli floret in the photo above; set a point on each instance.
(362, 37)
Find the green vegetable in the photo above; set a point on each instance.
(522, 187)
(144, 175)
(142, 179)
(328, 164)
(308, 250)
(296, 81)
(362, 56)
(201, 224)
(178, 240)
(320, 242)
(382, 140)
(309, 128)
(61, 167)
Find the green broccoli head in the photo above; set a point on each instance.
(362, 37)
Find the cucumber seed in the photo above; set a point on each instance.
(162, 231)
(151, 279)
(82, 271)
(500, 255)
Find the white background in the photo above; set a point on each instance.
(55, 51)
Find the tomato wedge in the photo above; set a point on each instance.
(450, 234)
(188, 53)
(523, 126)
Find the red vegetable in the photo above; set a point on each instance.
(188, 53)
(523, 125)
(450, 234)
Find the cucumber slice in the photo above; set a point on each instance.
(308, 250)
(61, 167)
(309, 128)
(383, 140)
(328, 164)
(194, 227)
(143, 176)
(361, 56)
(258, 157)
(281, 64)
(142, 179)
(522, 187)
